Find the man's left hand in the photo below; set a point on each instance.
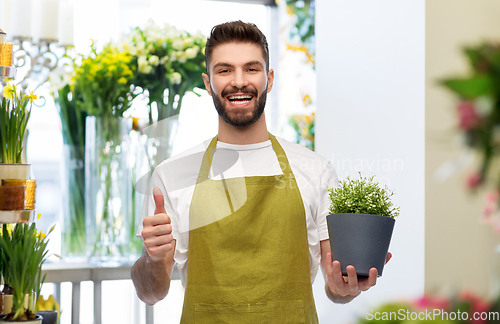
(349, 285)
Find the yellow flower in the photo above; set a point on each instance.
(10, 228)
(32, 96)
(9, 91)
(41, 235)
(122, 80)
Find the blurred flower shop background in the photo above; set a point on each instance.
(135, 71)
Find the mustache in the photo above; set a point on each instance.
(227, 92)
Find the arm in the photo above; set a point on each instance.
(341, 289)
(151, 273)
(152, 278)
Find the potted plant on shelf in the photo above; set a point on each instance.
(360, 224)
(23, 250)
(15, 111)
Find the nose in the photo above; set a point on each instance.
(239, 79)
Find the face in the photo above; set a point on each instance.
(238, 82)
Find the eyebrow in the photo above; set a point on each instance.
(222, 64)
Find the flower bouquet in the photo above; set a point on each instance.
(168, 63)
(103, 91)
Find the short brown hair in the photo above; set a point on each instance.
(236, 31)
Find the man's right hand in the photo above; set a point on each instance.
(157, 231)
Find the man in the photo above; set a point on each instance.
(249, 239)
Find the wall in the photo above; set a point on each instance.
(370, 118)
(458, 248)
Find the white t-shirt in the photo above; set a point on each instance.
(176, 177)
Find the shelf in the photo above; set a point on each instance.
(17, 216)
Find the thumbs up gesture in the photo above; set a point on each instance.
(157, 231)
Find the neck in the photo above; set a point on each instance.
(255, 133)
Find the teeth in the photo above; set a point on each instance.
(240, 102)
(240, 97)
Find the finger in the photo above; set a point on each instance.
(352, 280)
(160, 219)
(337, 280)
(158, 230)
(370, 281)
(159, 201)
(158, 253)
(153, 241)
(389, 256)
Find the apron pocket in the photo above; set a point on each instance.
(286, 312)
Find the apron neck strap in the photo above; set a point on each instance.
(278, 150)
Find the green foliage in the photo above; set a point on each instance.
(362, 196)
(304, 27)
(14, 116)
(23, 253)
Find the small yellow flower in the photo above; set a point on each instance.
(122, 80)
(39, 215)
(32, 96)
(9, 91)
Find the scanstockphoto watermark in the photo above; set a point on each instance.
(431, 315)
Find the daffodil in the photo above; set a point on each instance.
(32, 96)
(9, 91)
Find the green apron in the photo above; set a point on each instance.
(253, 265)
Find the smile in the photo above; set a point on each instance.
(240, 100)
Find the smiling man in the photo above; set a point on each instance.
(248, 240)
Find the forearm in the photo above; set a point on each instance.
(338, 299)
(151, 280)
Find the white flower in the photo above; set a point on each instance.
(142, 60)
(144, 66)
(140, 45)
(192, 52)
(164, 60)
(188, 42)
(154, 60)
(175, 78)
(181, 57)
(146, 69)
(178, 44)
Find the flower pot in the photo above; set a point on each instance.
(49, 316)
(14, 171)
(360, 240)
(37, 320)
(6, 303)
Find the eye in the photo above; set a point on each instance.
(223, 71)
(253, 69)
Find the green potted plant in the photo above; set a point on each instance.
(360, 224)
(23, 250)
(15, 111)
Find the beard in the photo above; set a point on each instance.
(240, 118)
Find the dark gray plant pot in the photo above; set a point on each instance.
(49, 316)
(360, 240)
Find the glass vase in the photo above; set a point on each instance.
(73, 240)
(108, 186)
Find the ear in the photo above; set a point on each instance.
(270, 80)
(206, 80)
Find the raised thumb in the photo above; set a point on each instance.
(159, 202)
